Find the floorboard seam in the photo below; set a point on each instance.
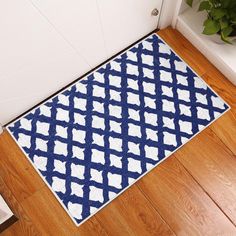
(151, 203)
(205, 191)
(222, 141)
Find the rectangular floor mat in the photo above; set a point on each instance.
(100, 135)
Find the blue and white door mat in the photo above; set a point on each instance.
(96, 138)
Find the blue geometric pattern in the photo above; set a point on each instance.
(98, 136)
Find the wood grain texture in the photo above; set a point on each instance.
(50, 213)
(213, 166)
(191, 193)
(14, 168)
(182, 202)
(24, 225)
(132, 214)
(222, 86)
(225, 128)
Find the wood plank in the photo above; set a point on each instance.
(182, 202)
(132, 214)
(24, 225)
(91, 227)
(217, 81)
(225, 128)
(16, 170)
(46, 211)
(213, 165)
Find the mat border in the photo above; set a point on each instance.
(59, 200)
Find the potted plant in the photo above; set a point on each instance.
(221, 18)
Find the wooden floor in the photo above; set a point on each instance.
(193, 192)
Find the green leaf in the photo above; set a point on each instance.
(211, 27)
(225, 3)
(227, 31)
(218, 13)
(225, 39)
(232, 13)
(232, 4)
(215, 2)
(189, 2)
(207, 21)
(205, 5)
(223, 23)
